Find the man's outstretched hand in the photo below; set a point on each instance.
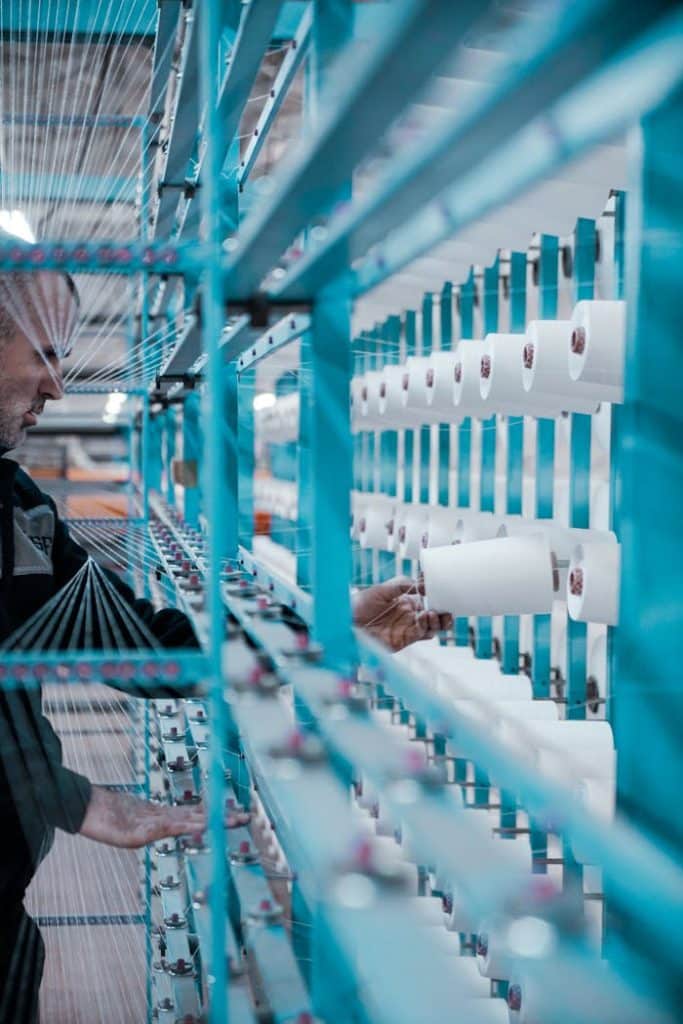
(119, 819)
(394, 613)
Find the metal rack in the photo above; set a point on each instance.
(284, 715)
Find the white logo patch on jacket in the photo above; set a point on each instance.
(34, 535)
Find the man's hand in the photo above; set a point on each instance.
(118, 819)
(394, 613)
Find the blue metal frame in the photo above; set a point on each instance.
(548, 256)
(643, 882)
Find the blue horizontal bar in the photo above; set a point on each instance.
(280, 588)
(110, 257)
(98, 21)
(143, 670)
(73, 120)
(88, 188)
(87, 920)
(284, 332)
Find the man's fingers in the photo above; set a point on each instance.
(238, 818)
(445, 621)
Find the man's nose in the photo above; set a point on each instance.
(53, 384)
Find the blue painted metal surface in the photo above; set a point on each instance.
(548, 255)
(644, 885)
(88, 18)
(487, 475)
(579, 476)
(221, 498)
(515, 442)
(192, 453)
(466, 310)
(648, 642)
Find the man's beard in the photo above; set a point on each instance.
(12, 433)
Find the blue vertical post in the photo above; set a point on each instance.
(487, 477)
(169, 453)
(616, 440)
(330, 432)
(545, 474)
(513, 506)
(389, 440)
(648, 642)
(545, 460)
(425, 431)
(515, 454)
(145, 455)
(153, 453)
(221, 492)
(370, 453)
(304, 470)
(240, 391)
(446, 344)
(192, 455)
(466, 306)
(331, 477)
(409, 436)
(358, 466)
(579, 475)
(146, 174)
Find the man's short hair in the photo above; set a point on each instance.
(19, 299)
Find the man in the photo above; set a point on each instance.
(38, 313)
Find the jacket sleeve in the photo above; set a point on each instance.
(43, 792)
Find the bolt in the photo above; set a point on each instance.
(528, 355)
(578, 342)
(515, 997)
(485, 367)
(576, 582)
(457, 373)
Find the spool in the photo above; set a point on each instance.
(473, 526)
(392, 413)
(412, 523)
(563, 540)
(596, 348)
(440, 386)
(500, 378)
(370, 411)
(493, 957)
(472, 680)
(440, 529)
(355, 390)
(545, 373)
(593, 584)
(573, 749)
(413, 390)
(504, 576)
(373, 523)
(466, 372)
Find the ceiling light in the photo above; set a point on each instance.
(14, 223)
(264, 401)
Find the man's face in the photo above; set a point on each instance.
(30, 374)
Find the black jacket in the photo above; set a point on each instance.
(37, 793)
